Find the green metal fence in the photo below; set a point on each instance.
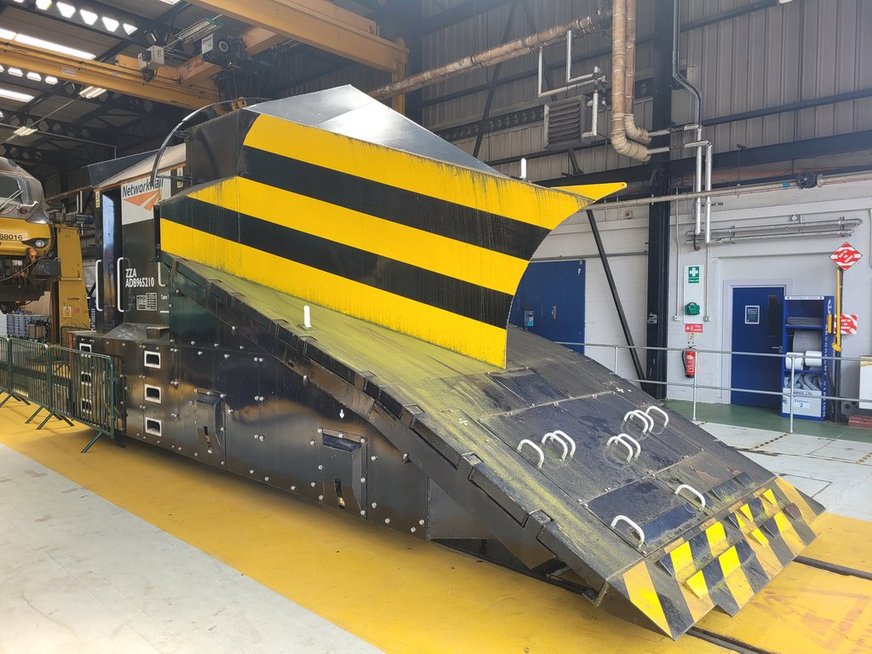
(65, 384)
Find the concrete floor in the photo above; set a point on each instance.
(79, 574)
(144, 572)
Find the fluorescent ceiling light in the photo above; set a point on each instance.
(169, 2)
(15, 72)
(43, 4)
(36, 77)
(54, 47)
(50, 79)
(67, 10)
(88, 16)
(128, 28)
(24, 131)
(92, 92)
(6, 34)
(15, 95)
(110, 23)
(2, 69)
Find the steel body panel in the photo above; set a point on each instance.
(416, 417)
(356, 417)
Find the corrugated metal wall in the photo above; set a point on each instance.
(798, 51)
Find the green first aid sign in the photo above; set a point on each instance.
(693, 274)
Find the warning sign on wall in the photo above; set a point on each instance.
(846, 255)
(848, 323)
(693, 328)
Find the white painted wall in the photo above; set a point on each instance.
(801, 264)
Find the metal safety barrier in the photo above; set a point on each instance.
(66, 384)
(788, 396)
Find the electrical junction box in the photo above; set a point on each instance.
(151, 59)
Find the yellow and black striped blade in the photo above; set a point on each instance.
(425, 247)
(724, 563)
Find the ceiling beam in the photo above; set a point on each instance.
(320, 24)
(124, 79)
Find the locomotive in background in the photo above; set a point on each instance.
(28, 259)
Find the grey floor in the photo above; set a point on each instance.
(834, 471)
(80, 575)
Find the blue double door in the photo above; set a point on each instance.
(550, 302)
(758, 314)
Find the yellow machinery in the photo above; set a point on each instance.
(37, 256)
(27, 265)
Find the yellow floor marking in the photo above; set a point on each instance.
(843, 541)
(397, 592)
(803, 611)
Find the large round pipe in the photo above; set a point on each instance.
(634, 132)
(504, 52)
(618, 135)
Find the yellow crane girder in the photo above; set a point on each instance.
(320, 24)
(120, 78)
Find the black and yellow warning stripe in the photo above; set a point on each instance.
(725, 563)
(424, 247)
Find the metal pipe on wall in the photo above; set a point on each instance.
(708, 187)
(634, 132)
(697, 97)
(618, 134)
(499, 54)
(734, 191)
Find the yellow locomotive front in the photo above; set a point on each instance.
(28, 266)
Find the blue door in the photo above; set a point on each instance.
(550, 302)
(757, 318)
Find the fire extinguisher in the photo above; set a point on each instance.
(688, 358)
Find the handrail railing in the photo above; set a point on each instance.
(67, 384)
(695, 386)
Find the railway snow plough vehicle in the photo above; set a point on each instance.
(331, 297)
